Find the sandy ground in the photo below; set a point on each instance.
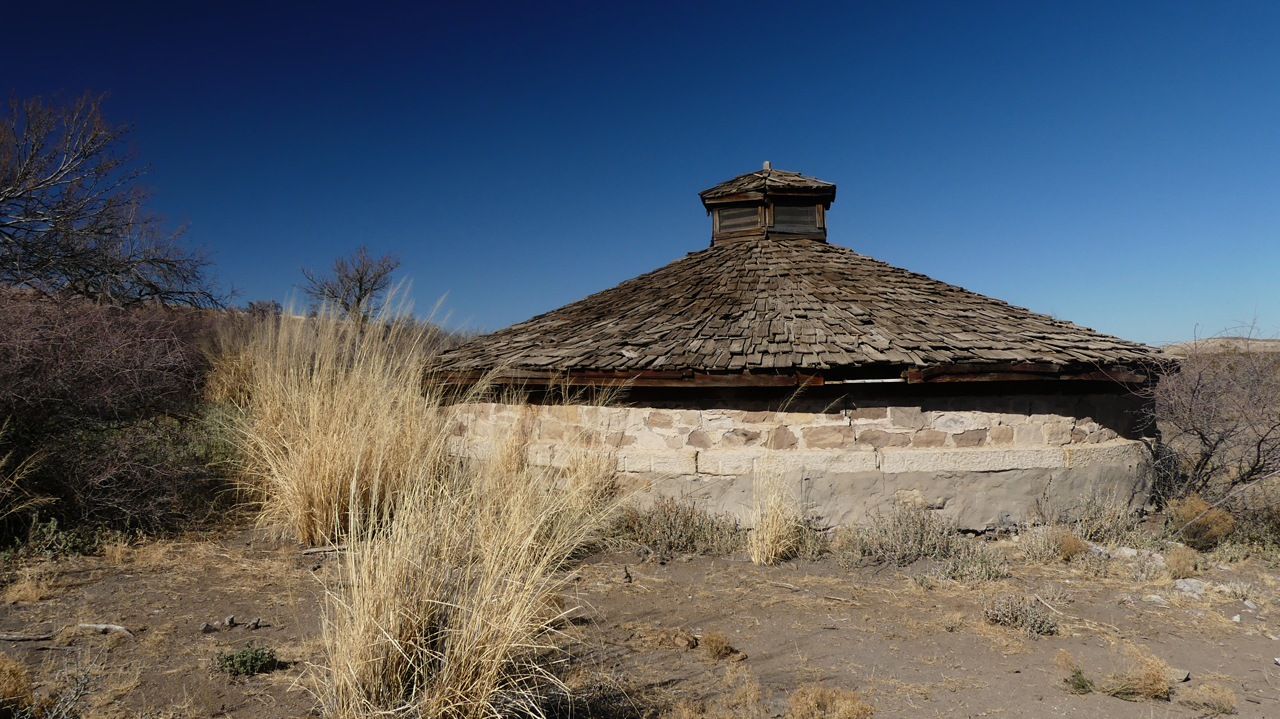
(911, 650)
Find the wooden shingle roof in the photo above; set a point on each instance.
(771, 305)
(768, 180)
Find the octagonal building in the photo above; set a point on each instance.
(859, 383)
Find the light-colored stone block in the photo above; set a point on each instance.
(726, 462)
(955, 422)
(969, 460)
(664, 461)
(1028, 435)
(1116, 453)
(906, 417)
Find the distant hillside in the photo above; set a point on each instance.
(1222, 344)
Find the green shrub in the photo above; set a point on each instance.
(246, 662)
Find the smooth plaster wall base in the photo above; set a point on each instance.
(981, 469)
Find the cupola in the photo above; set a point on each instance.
(769, 203)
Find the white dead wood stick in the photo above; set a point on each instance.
(106, 628)
(1050, 606)
(4, 637)
(325, 550)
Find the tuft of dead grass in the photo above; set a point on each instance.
(1045, 545)
(1145, 676)
(1200, 532)
(975, 563)
(775, 517)
(15, 687)
(1210, 697)
(815, 701)
(1182, 562)
(31, 585)
(716, 645)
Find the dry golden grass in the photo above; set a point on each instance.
(338, 416)
(15, 687)
(1210, 697)
(1075, 680)
(814, 701)
(775, 519)
(1203, 533)
(1182, 562)
(1054, 543)
(32, 585)
(445, 601)
(716, 645)
(1145, 676)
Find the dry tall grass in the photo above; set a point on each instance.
(775, 520)
(337, 416)
(446, 604)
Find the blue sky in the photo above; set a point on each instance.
(1113, 164)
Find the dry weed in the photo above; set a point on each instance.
(32, 585)
(1203, 533)
(1146, 676)
(975, 563)
(443, 605)
(1102, 517)
(115, 552)
(678, 526)
(775, 517)
(15, 687)
(1046, 545)
(1075, 680)
(1022, 613)
(1182, 562)
(1213, 698)
(1240, 591)
(814, 701)
(907, 533)
(716, 645)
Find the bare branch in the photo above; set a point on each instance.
(72, 216)
(357, 285)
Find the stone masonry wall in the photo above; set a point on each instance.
(979, 467)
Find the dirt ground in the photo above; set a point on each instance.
(912, 648)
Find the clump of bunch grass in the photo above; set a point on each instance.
(678, 526)
(329, 400)
(1213, 698)
(1146, 676)
(1045, 545)
(815, 701)
(246, 662)
(447, 601)
(975, 563)
(15, 687)
(907, 533)
(1197, 523)
(1008, 610)
(1182, 562)
(775, 521)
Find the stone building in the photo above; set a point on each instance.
(858, 382)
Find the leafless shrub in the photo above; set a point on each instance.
(103, 408)
(1218, 412)
(906, 533)
(1019, 613)
(73, 221)
(975, 563)
(1044, 545)
(1098, 516)
(678, 526)
(1182, 562)
(357, 285)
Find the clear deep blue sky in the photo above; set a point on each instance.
(1113, 164)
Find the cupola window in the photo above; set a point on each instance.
(792, 217)
(733, 219)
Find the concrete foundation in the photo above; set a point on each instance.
(970, 459)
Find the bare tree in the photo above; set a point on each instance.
(357, 285)
(73, 220)
(1218, 412)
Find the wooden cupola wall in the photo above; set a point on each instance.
(769, 203)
